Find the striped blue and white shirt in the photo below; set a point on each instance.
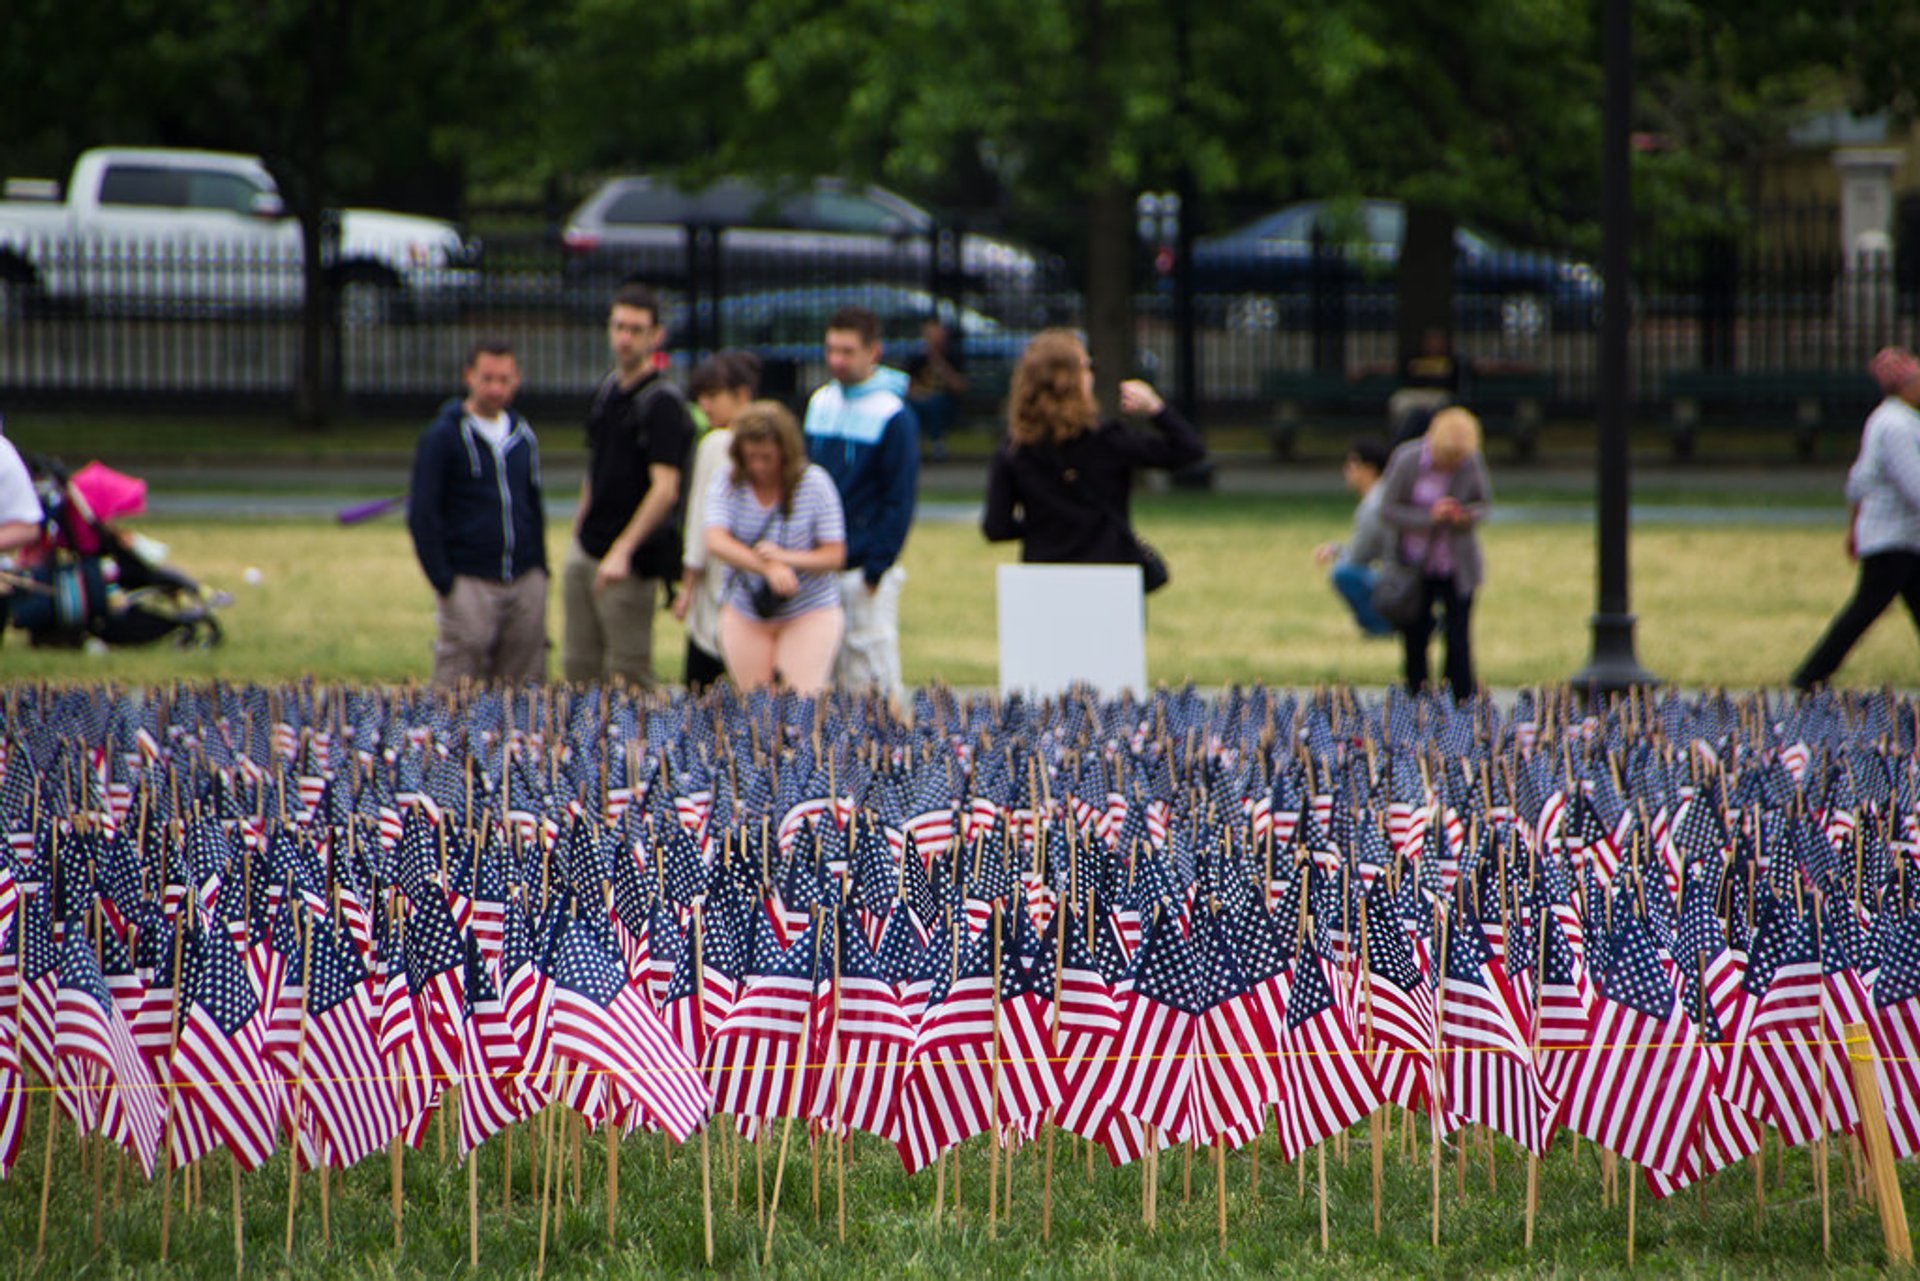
(816, 518)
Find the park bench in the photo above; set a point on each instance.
(1806, 401)
(1508, 405)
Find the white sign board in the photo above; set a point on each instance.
(1062, 625)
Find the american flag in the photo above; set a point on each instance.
(342, 1083)
(600, 1021)
(13, 1081)
(492, 1058)
(1396, 1010)
(103, 1081)
(1896, 998)
(1324, 1072)
(1639, 1086)
(755, 1059)
(1486, 1065)
(1773, 1068)
(1153, 1078)
(949, 1090)
(225, 1092)
(1238, 1069)
(866, 1040)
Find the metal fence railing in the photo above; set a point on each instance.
(121, 325)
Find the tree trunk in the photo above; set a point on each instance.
(1110, 329)
(313, 377)
(1110, 337)
(1426, 275)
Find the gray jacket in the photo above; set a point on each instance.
(1885, 480)
(1470, 486)
(1372, 538)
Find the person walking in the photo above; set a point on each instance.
(1061, 479)
(861, 431)
(1352, 573)
(626, 533)
(722, 386)
(1437, 492)
(478, 522)
(1884, 486)
(774, 520)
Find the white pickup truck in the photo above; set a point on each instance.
(174, 232)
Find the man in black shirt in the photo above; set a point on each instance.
(626, 534)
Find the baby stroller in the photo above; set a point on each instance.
(86, 581)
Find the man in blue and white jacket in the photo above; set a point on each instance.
(479, 528)
(860, 430)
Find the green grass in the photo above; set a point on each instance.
(1718, 605)
(1096, 1229)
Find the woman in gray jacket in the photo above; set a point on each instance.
(1437, 493)
(1884, 485)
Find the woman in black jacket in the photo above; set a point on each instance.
(1061, 479)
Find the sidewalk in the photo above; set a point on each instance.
(1545, 493)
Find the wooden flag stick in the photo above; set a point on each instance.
(395, 1162)
(326, 1207)
(506, 1174)
(239, 1230)
(395, 1151)
(939, 1186)
(1533, 1196)
(46, 1177)
(613, 1177)
(1046, 1186)
(773, 1208)
(1873, 1120)
(706, 1189)
(473, 1208)
(993, 1128)
(1320, 1160)
(1376, 1141)
(1633, 1199)
(1220, 1190)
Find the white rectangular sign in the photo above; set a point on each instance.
(1062, 625)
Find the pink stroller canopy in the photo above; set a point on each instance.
(108, 493)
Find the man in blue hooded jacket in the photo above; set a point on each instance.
(479, 528)
(860, 430)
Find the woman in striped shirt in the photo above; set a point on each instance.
(775, 521)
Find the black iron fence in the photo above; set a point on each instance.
(1760, 323)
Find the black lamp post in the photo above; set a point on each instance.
(1613, 667)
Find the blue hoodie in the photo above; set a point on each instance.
(866, 438)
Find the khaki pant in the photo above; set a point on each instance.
(491, 630)
(606, 633)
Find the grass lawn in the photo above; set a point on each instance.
(1725, 605)
(1273, 1215)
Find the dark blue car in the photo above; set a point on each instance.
(1264, 275)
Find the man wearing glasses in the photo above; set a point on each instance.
(626, 534)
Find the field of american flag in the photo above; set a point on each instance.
(325, 977)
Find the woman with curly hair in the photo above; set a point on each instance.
(1061, 479)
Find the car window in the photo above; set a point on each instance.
(145, 185)
(1293, 223)
(830, 210)
(1386, 224)
(232, 192)
(648, 203)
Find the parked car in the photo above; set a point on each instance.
(175, 231)
(786, 328)
(636, 228)
(1262, 275)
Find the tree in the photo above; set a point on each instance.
(332, 93)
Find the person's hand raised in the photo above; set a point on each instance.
(1138, 397)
